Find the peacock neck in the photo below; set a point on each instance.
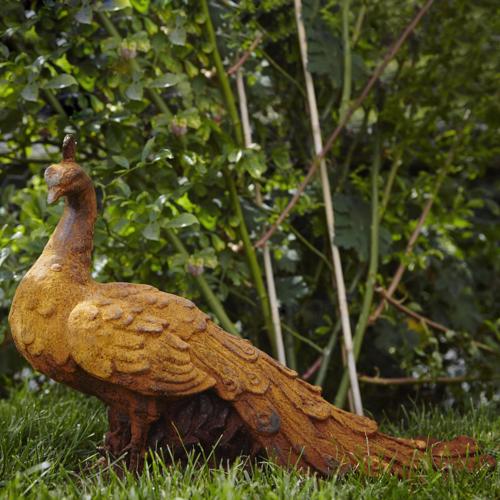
(71, 243)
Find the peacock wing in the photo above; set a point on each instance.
(135, 336)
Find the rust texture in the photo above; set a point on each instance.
(171, 377)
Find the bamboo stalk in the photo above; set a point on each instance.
(372, 271)
(327, 198)
(268, 265)
(323, 362)
(251, 256)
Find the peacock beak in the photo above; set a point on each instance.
(53, 176)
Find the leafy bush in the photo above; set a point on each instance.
(160, 135)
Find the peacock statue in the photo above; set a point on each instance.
(171, 377)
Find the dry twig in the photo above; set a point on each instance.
(409, 312)
(243, 59)
(414, 381)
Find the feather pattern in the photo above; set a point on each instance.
(128, 329)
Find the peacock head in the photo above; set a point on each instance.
(66, 178)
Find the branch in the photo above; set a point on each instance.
(409, 312)
(307, 341)
(358, 25)
(283, 72)
(418, 228)
(243, 59)
(212, 299)
(311, 247)
(312, 369)
(344, 120)
(396, 163)
(402, 266)
(347, 73)
(56, 105)
(221, 75)
(425, 380)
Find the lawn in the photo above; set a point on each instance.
(49, 439)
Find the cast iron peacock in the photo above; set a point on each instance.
(170, 376)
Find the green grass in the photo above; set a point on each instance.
(48, 441)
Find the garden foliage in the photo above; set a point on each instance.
(158, 131)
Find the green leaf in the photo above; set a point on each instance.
(84, 15)
(147, 149)
(163, 154)
(254, 165)
(182, 220)
(141, 6)
(178, 36)
(191, 69)
(63, 63)
(135, 92)
(200, 18)
(235, 156)
(113, 5)
(352, 226)
(291, 289)
(61, 82)
(281, 157)
(87, 82)
(152, 231)
(4, 51)
(140, 41)
(165, 81)
(191, 117)
(30, 92)
(123, 186)
(121, 160)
